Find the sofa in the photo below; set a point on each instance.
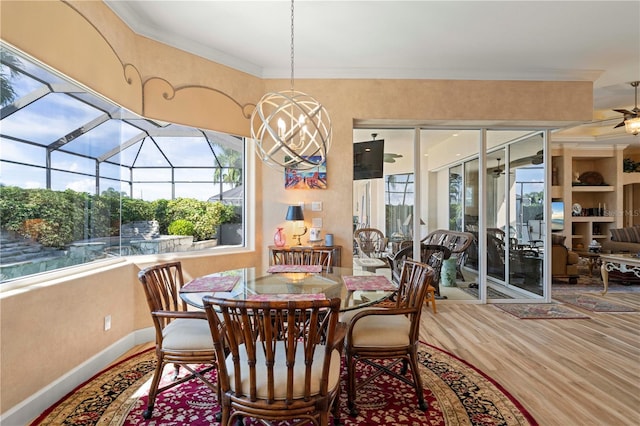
(623, 240)
(564, 262)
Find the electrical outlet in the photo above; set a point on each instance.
(107, 322)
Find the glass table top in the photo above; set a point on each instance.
(255, 282)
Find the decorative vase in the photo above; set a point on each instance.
(448, 272)
(279, 238)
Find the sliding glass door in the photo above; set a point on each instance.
(496, 196)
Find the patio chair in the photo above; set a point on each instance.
(370, 242)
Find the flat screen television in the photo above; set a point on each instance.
(557, 215)
(368, 159)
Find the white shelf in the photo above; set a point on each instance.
(587, 219)
(585, 188)
(630, 178)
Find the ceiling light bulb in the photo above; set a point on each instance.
(632, 126)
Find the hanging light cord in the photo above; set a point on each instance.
(292, 45)
(291, 129)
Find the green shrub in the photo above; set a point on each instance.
(181, 227)
(135, 210)
(161, 214)
(205, 216)
(57, 218)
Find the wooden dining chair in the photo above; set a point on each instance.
(182, 337)
(279, 360)
(389, 334)
(320, 257)
(303, 256)
(285, 257)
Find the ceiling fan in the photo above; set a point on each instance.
(388, 157)
(498, 170)
(635, 112)
(538, 158)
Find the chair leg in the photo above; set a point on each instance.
(335, 407)
(417, 382)
(351, 386)
(405, 366)
(176, 371)
(153, 391)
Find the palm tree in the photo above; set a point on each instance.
(11, 63)
(230, 170)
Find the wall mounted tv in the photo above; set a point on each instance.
(557, 215)
(368, 159)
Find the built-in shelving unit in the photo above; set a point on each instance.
(600, 203)
(630, 178)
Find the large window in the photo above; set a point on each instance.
(82, 179)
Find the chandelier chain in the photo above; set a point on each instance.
(291, 130)
(292, 56)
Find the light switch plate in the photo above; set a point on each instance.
(316, 206)
(317, 222)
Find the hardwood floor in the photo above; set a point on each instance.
(565, 372)
(578, 372)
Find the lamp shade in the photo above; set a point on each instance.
(632, 125)
(295, 213)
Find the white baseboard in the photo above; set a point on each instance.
(27, 410)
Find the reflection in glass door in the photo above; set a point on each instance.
(498, 232)
(455, 198)
(526, 195)
(471, 207)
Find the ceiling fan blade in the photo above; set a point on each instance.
(619, 125)
(624, 111)
(390, 157)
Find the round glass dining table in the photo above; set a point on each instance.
(258, 284)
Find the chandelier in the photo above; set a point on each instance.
(291, 129)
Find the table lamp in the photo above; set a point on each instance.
(294, 213)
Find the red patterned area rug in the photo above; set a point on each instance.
(592, 302)
(540, 311)
(457, 394)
